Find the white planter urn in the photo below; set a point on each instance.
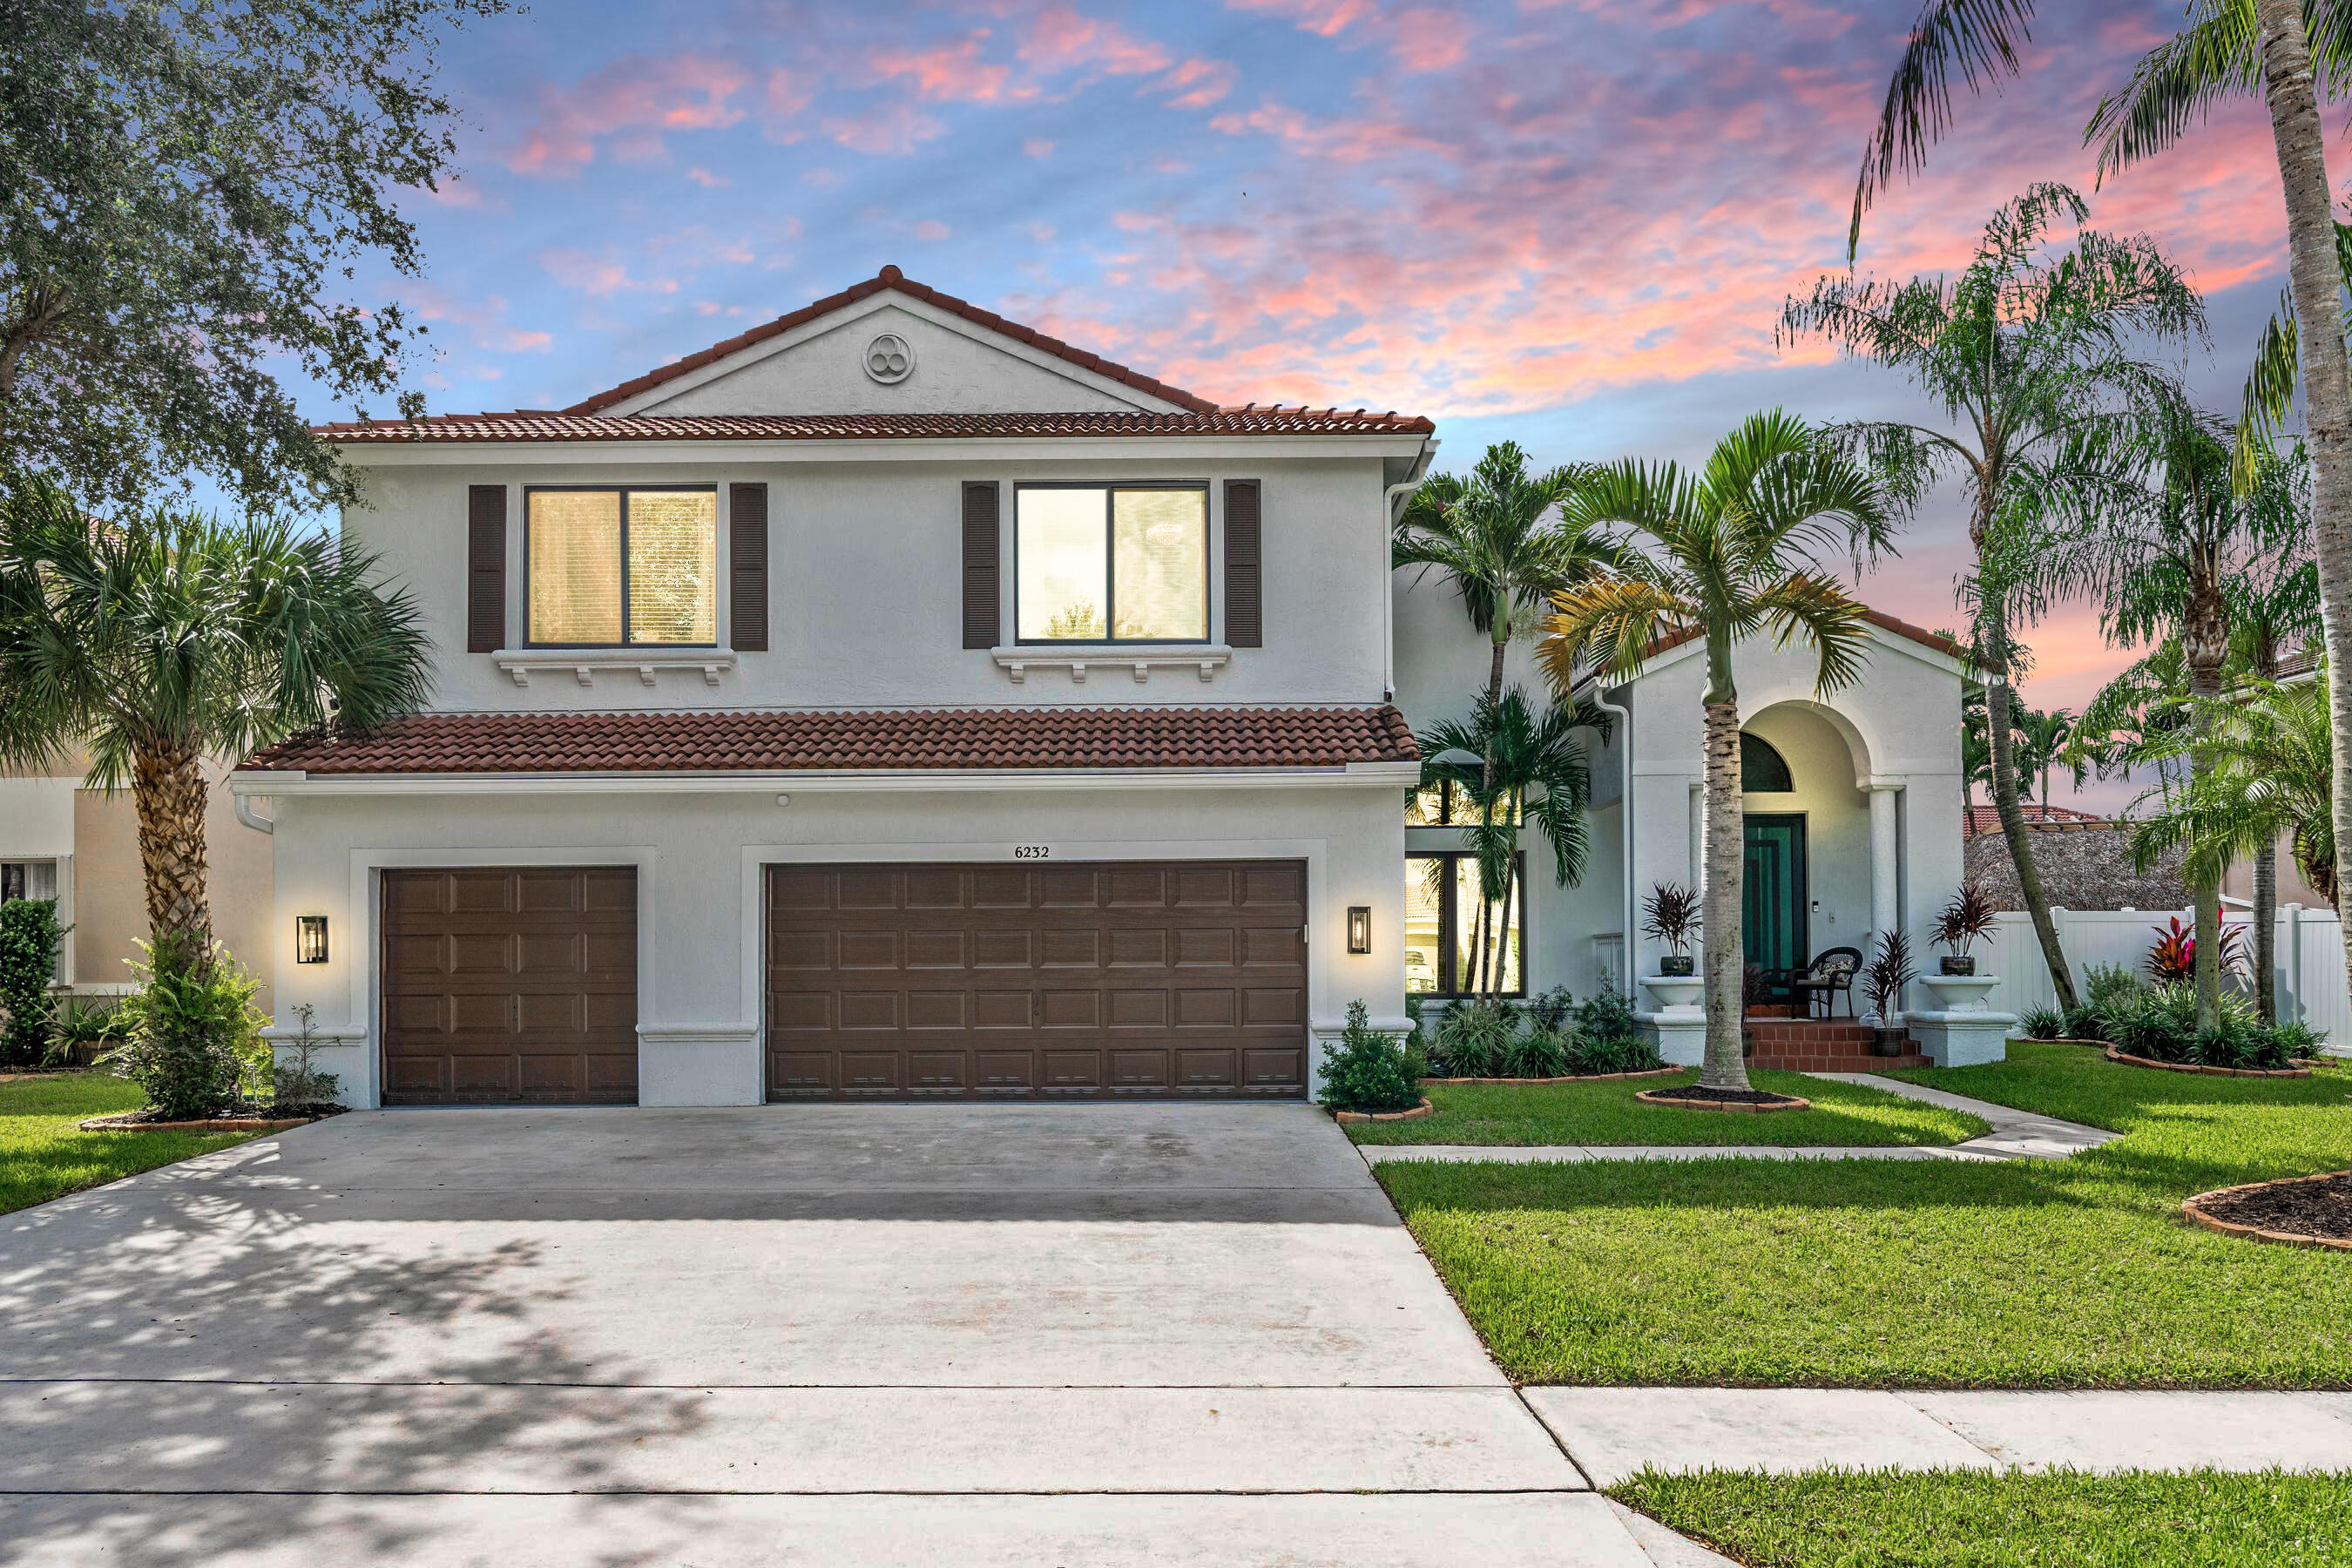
(1960, 993)
(1674, 994)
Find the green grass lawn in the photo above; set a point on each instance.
(1608, 1113)
(42, 1156)
(1842, 1519)
(2075, 1273)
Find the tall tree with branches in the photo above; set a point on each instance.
(2034, 354)
(1540, 775)
(2291, 53)
(149, 644)
(1730, 552)
(2171, 557)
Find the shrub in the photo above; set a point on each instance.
(2105, 983)
(2043, 1024)
(80, 1024)
(1473, 1036)
(29, 962)
(1614, 1053)
(1966, 915)
(2300, 1039)
(190, 1029)
(1550, 1013)
(2173, 954)
(1606, 1014)
(1367, 1070)
(1536, 1054)
(2085, 1022)
(298, 1085)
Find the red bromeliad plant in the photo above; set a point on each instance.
(2173, 954)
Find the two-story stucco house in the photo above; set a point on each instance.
(891, 701)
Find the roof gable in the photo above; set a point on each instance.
(965, 361)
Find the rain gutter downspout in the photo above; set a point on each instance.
(250, 817)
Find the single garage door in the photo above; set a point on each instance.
(1085, 980)
(510, 984)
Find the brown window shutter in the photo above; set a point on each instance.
(747, 550)
(1244, 567)
(485, 568)
(981, 618)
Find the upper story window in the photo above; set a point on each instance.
(1444, 805)
(1116, 564)
(613, 566)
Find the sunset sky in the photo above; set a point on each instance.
(1569, 224)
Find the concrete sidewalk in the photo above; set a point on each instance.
(2012, 1135)
(1612, 1433)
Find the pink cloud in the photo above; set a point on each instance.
(945, 72)
(1060, 39)
(1197, 83)
(931, 230)
(599, 277)
(1037, 147)
(706, 179)
(632, 104)
(886, 130)
(1422, 39)
(1324, 18)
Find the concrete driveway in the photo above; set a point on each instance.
(1173, 1333)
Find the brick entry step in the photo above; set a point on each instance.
(1821, 1045)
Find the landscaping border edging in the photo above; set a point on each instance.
(1586, 1077)
(2126, 1058)
(1355, 1118)
(2197, 1216)
(122, 1122)
(1651, 1097)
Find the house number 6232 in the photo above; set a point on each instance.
(1031, 851)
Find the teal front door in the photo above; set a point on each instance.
(1773, 906)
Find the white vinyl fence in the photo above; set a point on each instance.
(2310, 973)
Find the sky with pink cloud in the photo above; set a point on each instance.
(1570, 223)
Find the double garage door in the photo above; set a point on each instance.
(1066, 981)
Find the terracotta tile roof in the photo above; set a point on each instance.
(718, 741)
(1987, 819)
(551, 424)
(892, 278)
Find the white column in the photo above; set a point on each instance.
(1885, 852)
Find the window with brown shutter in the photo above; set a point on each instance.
(981, 618)
(747, 549)
(485, 568)
(1244, 566)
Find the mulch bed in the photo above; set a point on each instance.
(1345, 1118)
(241, 1120)
(1698, 1097)
(2115, 1055)
(2300, 1211)
(1588, 1078)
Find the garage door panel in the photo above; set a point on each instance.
(510, 984)
(862, 998)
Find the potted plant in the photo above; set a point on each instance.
(1967, 915)
(1673, 912)
(1890, 969)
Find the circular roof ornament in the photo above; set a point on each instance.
(889, 359)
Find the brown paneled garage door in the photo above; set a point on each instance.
(510, 984)
(1067, 979)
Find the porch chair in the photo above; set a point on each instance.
(1831, 972)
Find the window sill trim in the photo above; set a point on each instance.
(1142, 659)
(585, 662)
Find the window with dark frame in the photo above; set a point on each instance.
(621, 566)
(1440, 805)
(1111, 563)
(1440, 926)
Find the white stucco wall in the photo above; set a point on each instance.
(864, 581)
(699, 857)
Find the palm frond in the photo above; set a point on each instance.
(1976, 40)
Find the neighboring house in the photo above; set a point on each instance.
(889, 702)
(80, 847)
(1853, 804)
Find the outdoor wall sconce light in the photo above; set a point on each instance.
(1359, 929)
(310, 939)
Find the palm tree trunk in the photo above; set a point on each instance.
(168, 792)
(2013, 829)
(1727, 851)
(1495, 691)
(2205, 688)
(2266, 932)
(2316, 282)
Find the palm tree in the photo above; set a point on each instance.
(2033, 357)
(2285, 50)
(1734, 553)
(1976, 749)
(1496, 537)
(1539, 776)
(2165, 558)
(149, 644)
(2268, 764)
(2044, 742)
